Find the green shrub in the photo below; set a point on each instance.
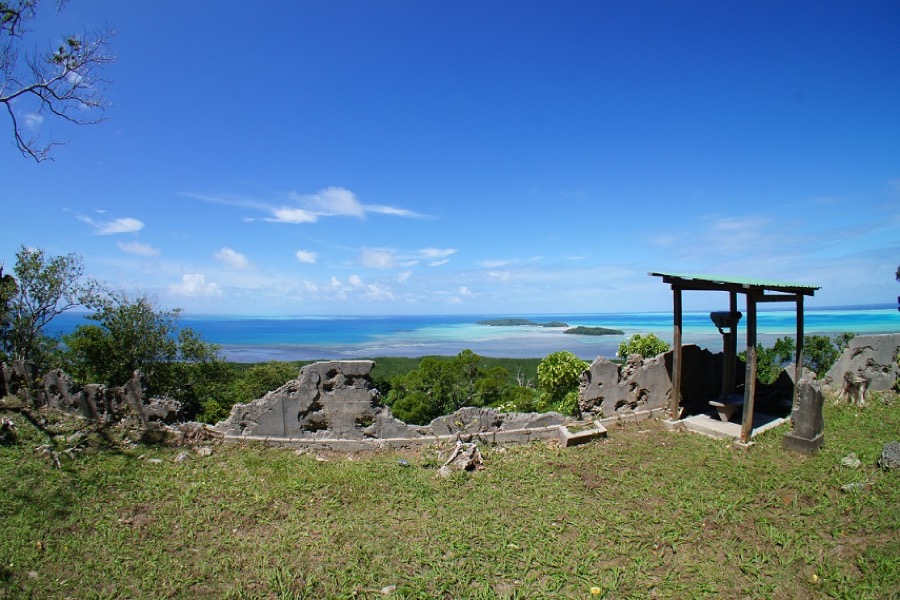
(647, 346)
(558, 376)
(819, 354)
(517, 398)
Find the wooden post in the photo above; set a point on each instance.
(798, 362)
(729, 351)
(675, 401)
(750, 378)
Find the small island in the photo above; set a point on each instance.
(519, 322)
(582, 330)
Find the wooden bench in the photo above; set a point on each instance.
(726, 406)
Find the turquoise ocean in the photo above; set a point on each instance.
(256, 339)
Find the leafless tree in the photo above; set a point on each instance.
(65, 82)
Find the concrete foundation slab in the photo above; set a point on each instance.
(710, 425)
(568, 437)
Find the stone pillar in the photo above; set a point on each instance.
(809, 423)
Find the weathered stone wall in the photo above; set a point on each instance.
(871, 357)
(336, 402)
(95, 402)
(646, 383)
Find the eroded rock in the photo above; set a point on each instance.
(890, 457)
(872, 358)
(646, 383)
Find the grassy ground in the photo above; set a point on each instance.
(645, 513)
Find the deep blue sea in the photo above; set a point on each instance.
(253, 339)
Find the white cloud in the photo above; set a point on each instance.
(232, 258)
(331, 202)
(499, 275)
(286, 214)
(465, 292)
(195, 285)
(438, 263)
(393, 211)
(355, 280)
(377, 258)
(33, 120)
(306, 257)
(378, 292)
(437, 252)
(401, 277)
(308, 208)
(123, 225)
(139, 249)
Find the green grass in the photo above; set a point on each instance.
(644, 513)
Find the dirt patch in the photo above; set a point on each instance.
(137, 516)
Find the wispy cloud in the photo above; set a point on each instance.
(385, 258)
(377, 258)
(33, 120)
(330, 202)
(286, 214)
(297, 208)
(394, 211)
(378, 292)
(114, 226)
(306, 257)
(195, 285)
(437, 253)
(232, 258)
(508, 262)
(139, 249)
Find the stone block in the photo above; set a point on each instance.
(807, 418)
(574, 437)
(871, 357)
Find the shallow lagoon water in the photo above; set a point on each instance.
(254, 339)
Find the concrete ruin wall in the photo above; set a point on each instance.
(95, 402)
(871, 357)
(642, 384)
(334, 403)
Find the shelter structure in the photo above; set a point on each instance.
(756, 292)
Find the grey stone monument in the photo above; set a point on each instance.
(809, 422)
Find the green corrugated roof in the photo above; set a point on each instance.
(741, 281)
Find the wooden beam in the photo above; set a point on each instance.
(779, 298)
(798, 359)
(675, 400)
(750, 377)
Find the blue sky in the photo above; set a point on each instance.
(473, 157)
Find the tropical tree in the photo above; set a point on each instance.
(44, 288)
(65, 82)
(131, 334)
(8, 289)
(440, 386)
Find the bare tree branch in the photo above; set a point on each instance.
(65, 83)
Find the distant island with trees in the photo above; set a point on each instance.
(520, 322)
(579, 330)
(582, 330)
